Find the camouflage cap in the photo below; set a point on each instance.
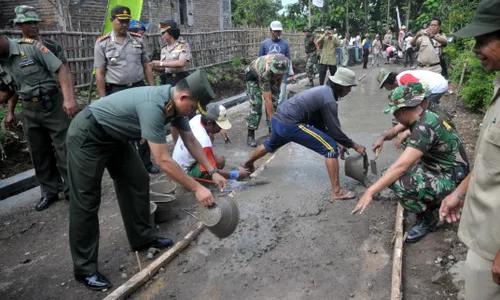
(278, 63)
(409, 95)
(382, 76)
(25, 13)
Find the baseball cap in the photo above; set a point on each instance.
(486, 20)
(200, 89)
(278, 63)
(344, 77)
(121, 13)
(25, 13)
(409, 95)
(218, 114)
(382, 76)
(276, 25)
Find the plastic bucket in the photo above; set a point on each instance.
(165, 205)
(152, 211)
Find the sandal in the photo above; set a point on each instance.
(345, 196)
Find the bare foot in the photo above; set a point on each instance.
(343, 195)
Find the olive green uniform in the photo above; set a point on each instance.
(32, 67)
(311, 57)
(98, 138)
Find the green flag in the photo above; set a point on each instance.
(135, 9)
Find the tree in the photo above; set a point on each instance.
(255, 12)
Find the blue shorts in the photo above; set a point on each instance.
(301, 134)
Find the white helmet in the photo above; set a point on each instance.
(276, 25)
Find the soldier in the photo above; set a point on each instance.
(28, 21)
(121, 61)
(431, 166)
(48, 104)
(328, 42)
(263, 77)
(98, 139)
(312, 50)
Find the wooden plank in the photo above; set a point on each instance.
(143, 276)
(397, 260)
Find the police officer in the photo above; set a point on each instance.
(98, 139)
(431, 167)
(27, 20)
(138, 27)
(263, 77)
(121, 61)
(48, 102)
(312, 50)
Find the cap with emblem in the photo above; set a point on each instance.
(382, 76)
(121, 13)
(218, 114)
(486, 20)
(344, 77)
(279, 63)
(409, 95)
(167, 25)
(276, 26)
(136, 25)
(25, 13)
(200, 89)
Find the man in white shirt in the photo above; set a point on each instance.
(408, 51)
(203, 126)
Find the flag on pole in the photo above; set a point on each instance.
(318, 3)
(135, 9)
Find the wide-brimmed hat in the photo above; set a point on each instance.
(409, 95)
(25, 13)
(344, 77)
(382, 76)
(486, 20)
(218, 114)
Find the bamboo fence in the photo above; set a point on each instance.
(208, 49)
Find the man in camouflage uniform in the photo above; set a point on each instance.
(431, 166)
(311, 56)
(263, 77)
(27, 20)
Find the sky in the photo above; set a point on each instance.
(286, 2)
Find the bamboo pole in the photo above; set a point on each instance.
(397, 259)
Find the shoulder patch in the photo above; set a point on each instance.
(135, 34)
(27, 41)
(104, 37)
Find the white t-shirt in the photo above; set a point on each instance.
(436, 83)
(408, 42)
(181, 154)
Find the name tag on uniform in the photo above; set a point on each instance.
(27, 62)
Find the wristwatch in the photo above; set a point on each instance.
(213, 172)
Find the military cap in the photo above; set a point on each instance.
(136, 25)
(200, 89)
(121, 12)
(278, 63)
(486, 20)
(382, 76)
(167, 25)
(25, 13)
(409, 95)
(307, 30)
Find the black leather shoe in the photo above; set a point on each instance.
(153, 169)
(251, 141)
(44, 203)
(95, 281)
(426, 223)
(158, 243)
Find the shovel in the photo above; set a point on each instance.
(373, 163)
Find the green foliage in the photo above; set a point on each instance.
(258, 13)
(236, 62)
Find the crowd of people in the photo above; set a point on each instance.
(122, 130)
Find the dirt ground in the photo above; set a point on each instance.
(291, 243)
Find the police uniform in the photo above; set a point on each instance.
(30, 69)
(98, 138)
(260, 77)
(179, 50)
(311, 56)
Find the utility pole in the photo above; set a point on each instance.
(310, 13)
(323, 21)
(388, 9)
(346, 17)
(366, 16)
(408, 15)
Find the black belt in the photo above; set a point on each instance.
(126, 85)
(427, 65)
(175, 75)
(87, 113)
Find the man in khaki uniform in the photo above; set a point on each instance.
(121, 61)
(328, 42)
(429, 43)
(480, 225)
(48, 103)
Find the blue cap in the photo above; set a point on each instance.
(137, 25)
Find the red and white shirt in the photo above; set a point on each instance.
(436, 83)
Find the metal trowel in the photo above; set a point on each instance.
(373, 163)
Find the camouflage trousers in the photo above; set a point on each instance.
(255, 98)
(311, 65)
(420, 188)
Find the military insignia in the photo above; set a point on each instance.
(125, 11)
(23, 55)
(169, 106)
(26, 62)
(27, 41)
(135, 34)
(202, 111)
(113, 60)
(44, 49)
(448, 126)
(104, 37)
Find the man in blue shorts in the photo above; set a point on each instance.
(311, 119)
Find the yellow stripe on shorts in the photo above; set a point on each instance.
(318, 137)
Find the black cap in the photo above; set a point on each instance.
(200, 89)
(121, 13)
(167, 25)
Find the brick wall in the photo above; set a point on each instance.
(90, 15)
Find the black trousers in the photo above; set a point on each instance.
(172, 79)
(444, 66)
(322, 72)
(142, 148)
(409, 57)
(366, 52)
